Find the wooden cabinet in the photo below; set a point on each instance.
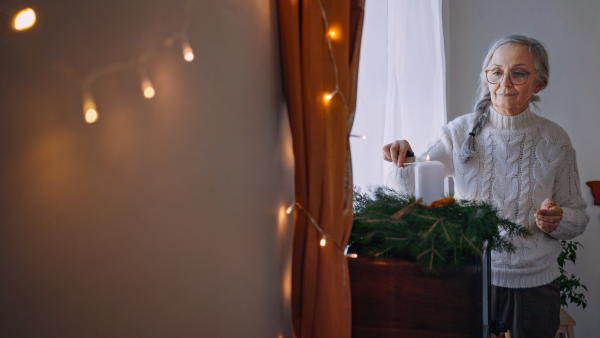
(397, 299)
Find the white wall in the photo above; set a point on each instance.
(166, 217)
(571, 30)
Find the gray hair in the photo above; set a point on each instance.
(484, 98)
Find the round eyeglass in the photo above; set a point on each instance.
(517, 77)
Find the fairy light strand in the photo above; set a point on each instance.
(327, 97)
(90, 110)
(324, 236)
(330, 33)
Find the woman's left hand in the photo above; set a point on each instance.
(549, 216)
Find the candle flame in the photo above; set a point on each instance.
(427, 159)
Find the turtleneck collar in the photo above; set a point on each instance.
(524, 120)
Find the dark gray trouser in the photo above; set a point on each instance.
(529, 313)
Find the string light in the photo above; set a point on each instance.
(189, 55)
(347, 114)
(90, 112)
(149, 91)
(188, 52)
(359, 136)
(91, 116)
(147, 88)
(89, 107)
(289, 209)
(25, 19)
(323, 240)
(352, 255)
(328, 97)
(330, 34)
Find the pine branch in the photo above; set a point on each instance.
(389, 224)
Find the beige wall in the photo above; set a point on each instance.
(165, 217)
(571, 30)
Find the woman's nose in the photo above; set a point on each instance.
(506, 80)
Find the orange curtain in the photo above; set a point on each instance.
(321, 304)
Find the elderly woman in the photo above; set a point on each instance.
(522, 163)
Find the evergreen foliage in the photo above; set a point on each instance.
(390, 224)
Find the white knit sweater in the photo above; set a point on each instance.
(519, 161)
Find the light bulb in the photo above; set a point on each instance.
(328, 97)
(91, 116)
(24, 19)
(323, 241)
(147, 87)
(90, 112)
(363, 137)
(186, 49)
(289, 209)
(352, 255)
(149, 92)
(145, 83)
(332, 33)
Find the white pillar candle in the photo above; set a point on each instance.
(429, 181)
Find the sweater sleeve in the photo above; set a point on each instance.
(440, 149)
(567, 194)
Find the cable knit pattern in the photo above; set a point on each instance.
(505, 186)
(525, 196)
(520, 161)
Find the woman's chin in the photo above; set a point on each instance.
(506, 106)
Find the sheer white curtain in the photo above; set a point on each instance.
(401, 82)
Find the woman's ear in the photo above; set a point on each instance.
(539, 87)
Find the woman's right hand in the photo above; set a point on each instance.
(396, 153)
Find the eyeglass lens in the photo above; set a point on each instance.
(516, 76)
